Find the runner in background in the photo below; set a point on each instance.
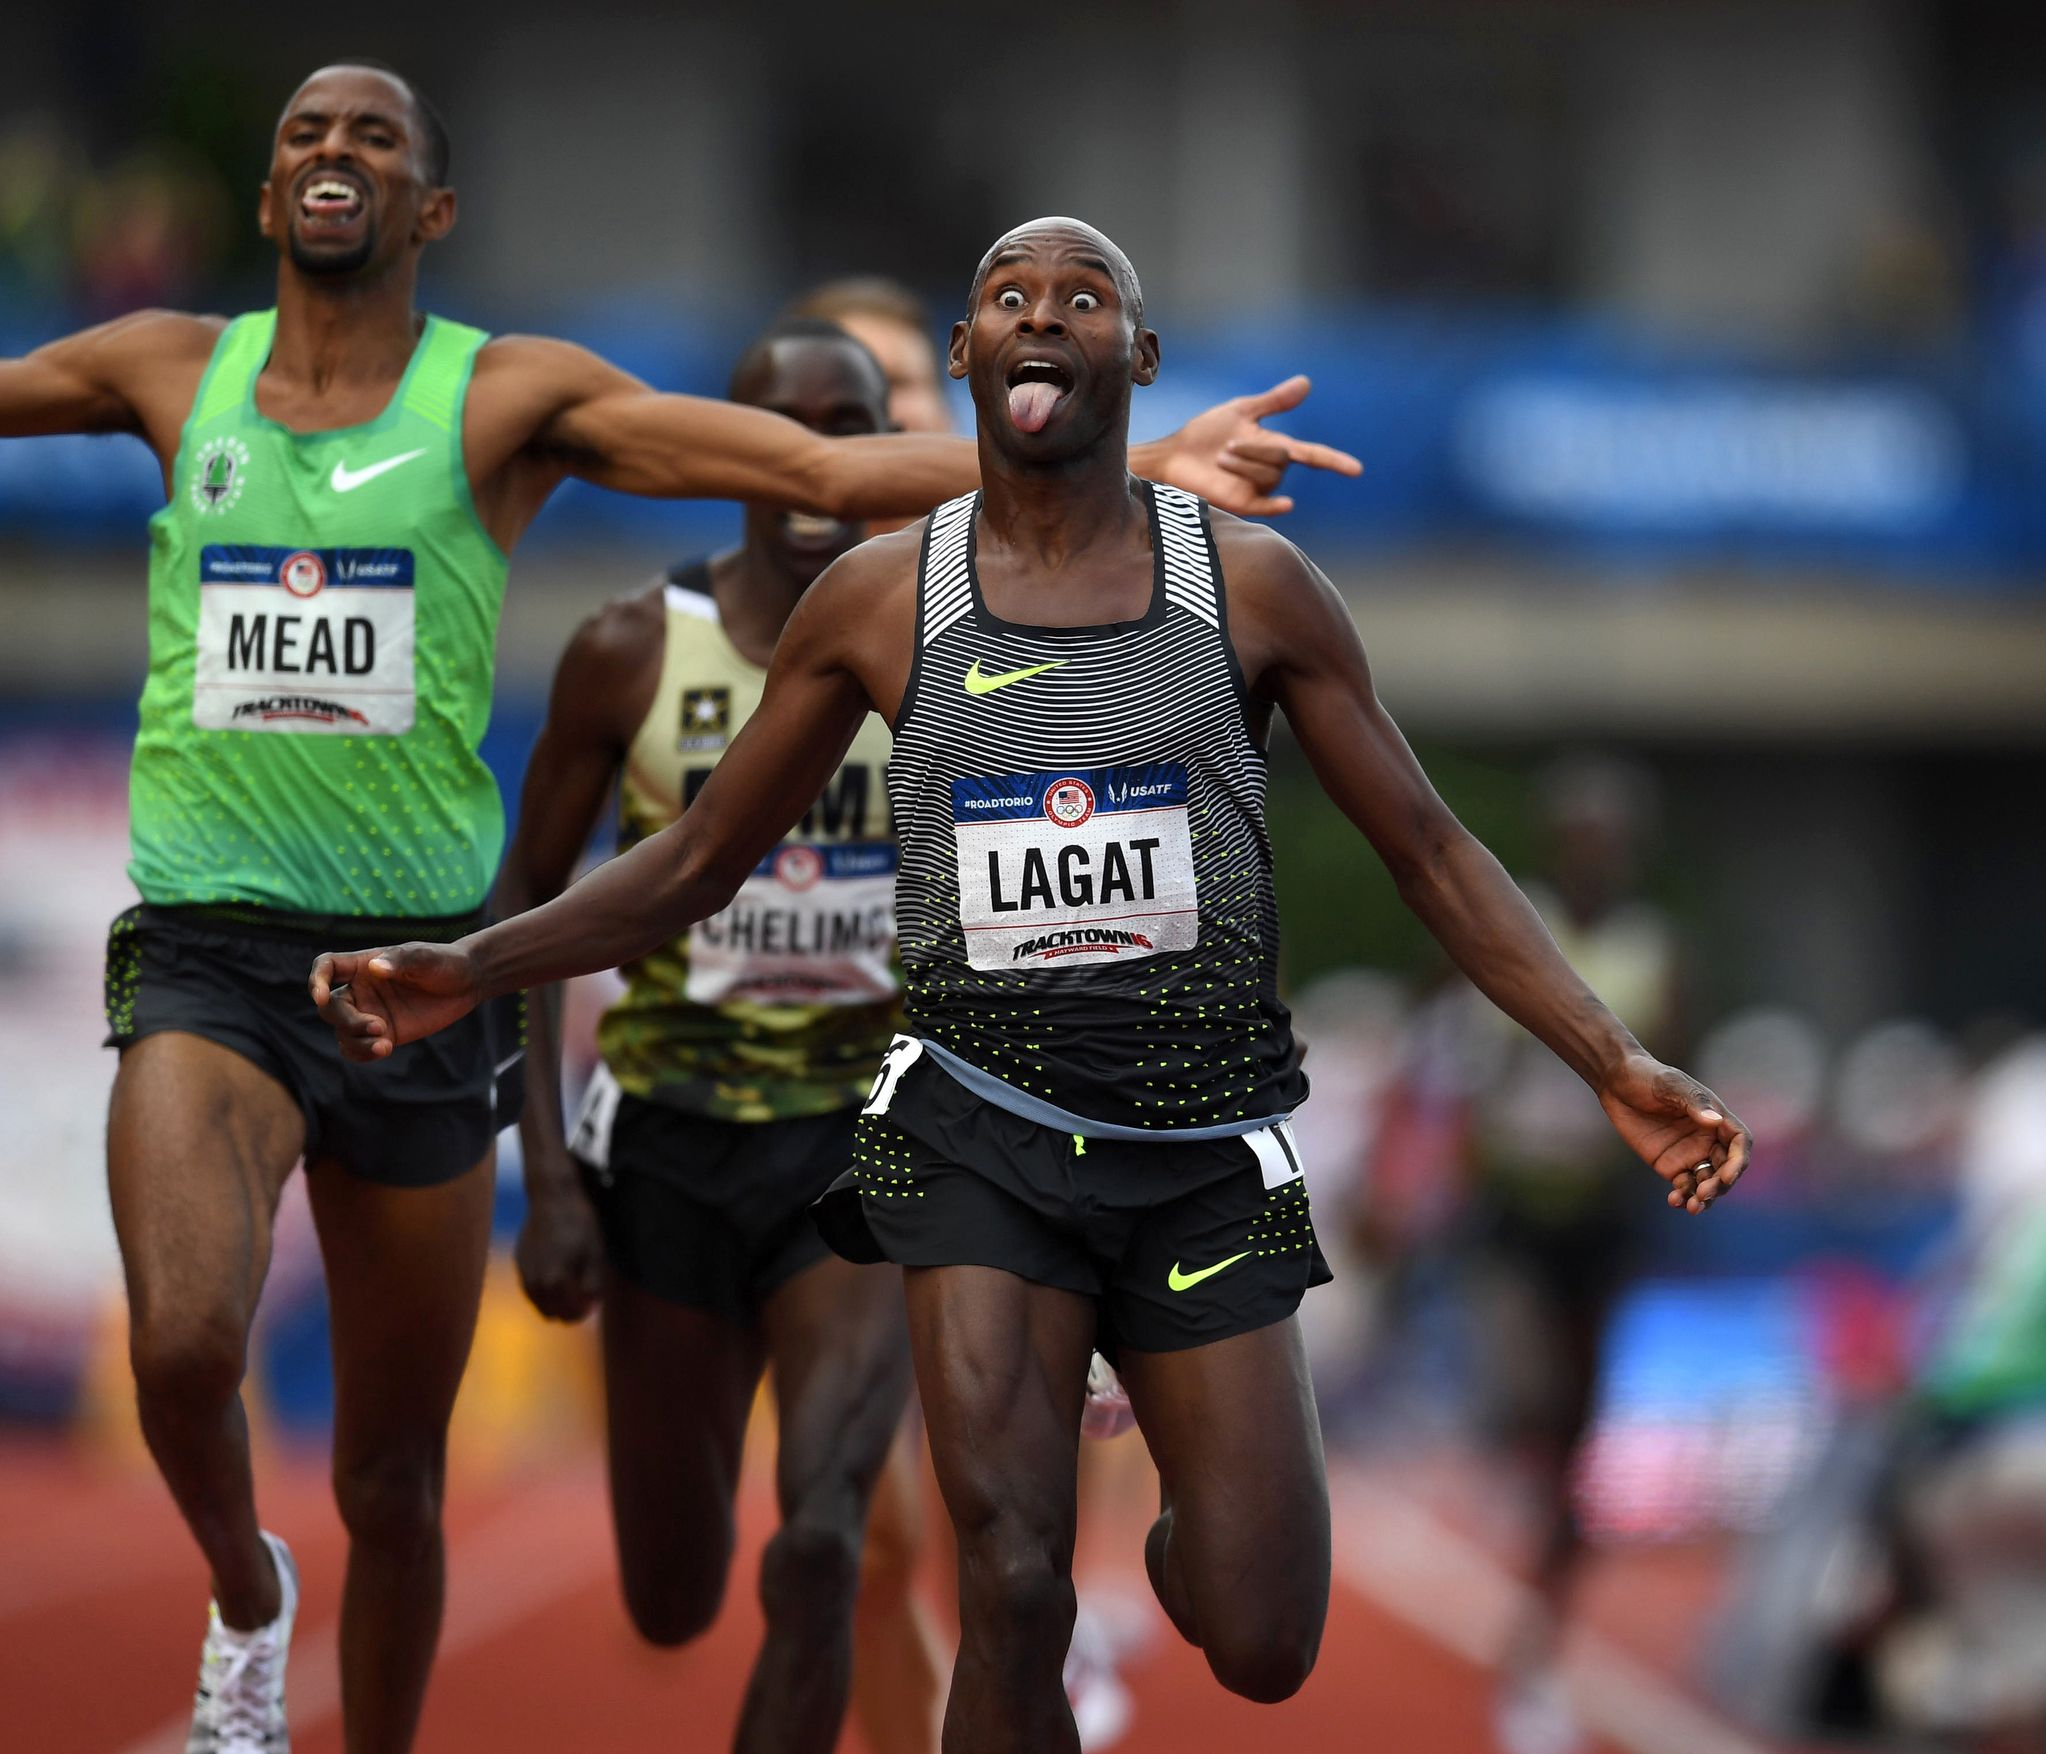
(733, 1065)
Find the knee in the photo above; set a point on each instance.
(810, 1570)
(1264, 1665)
(1020, 1582)
(188, 1360)
(390, 1503)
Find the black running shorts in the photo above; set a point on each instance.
(237, 976)
(1179, 1242)
(708, 1214)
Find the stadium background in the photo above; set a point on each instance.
(1697, 355)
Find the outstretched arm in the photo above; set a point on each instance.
(123, 376)
(817, 693)
(603, 425)
(602, 688)
(1301, 650)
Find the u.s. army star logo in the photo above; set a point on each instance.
(706, 719)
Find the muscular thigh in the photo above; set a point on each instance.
(1001, 1365)
(200, 1141)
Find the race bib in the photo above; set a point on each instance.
(304, 639)
(813, 925)
(1082, 865)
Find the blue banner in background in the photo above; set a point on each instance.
(1544, 436)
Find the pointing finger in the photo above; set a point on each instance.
(1310, 455)
(1289, 393)
(1281, 449)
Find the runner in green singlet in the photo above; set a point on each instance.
(343, 478)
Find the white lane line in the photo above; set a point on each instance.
(542, 1544)
(1398, 1554)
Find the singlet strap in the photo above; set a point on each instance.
(947, 590)
(433, 388)
(237, 357)
(1189, 568)
(686, 590)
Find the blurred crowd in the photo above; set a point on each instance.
(1846, 1366)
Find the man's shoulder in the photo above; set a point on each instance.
(610, 659)
(154, 339)
(878, 570)
(540, 371)
(619, 638)
(1257, 559)
(1255, 554)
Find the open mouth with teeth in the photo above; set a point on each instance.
(1036, 388)
(331, 201)
(808, 530)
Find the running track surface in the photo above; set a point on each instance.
(102, 1607)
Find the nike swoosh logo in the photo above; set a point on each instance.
(1187, 1281)
(977, 683)
(347, 480)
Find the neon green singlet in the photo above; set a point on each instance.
(322, 632)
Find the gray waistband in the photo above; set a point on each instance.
(989, 1088)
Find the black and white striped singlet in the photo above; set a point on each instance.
(1084, 903)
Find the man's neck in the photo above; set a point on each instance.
(1054, 512)
(348, 330)
(756, 594)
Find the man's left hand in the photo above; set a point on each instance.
(1233, 461)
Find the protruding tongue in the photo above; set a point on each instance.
(1030, 404)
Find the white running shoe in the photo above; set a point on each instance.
(240, 1704)
(1108, 1412)
(1102, 1705)
(1532, 1714)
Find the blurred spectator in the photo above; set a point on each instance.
(1559, 1197)
(1897, 1106)
(1769, 1065)
(150, 230)
(40, 175)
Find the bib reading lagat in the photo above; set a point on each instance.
(813, 925)
(304, 639)
(1090, 864)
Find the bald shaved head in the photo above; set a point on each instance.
(1066, 230)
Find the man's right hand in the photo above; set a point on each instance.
(378, 999)
(560, 1251)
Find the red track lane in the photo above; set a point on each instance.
(101, 1610)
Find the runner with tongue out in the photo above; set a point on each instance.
(1082, 1134)
(344, 477)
